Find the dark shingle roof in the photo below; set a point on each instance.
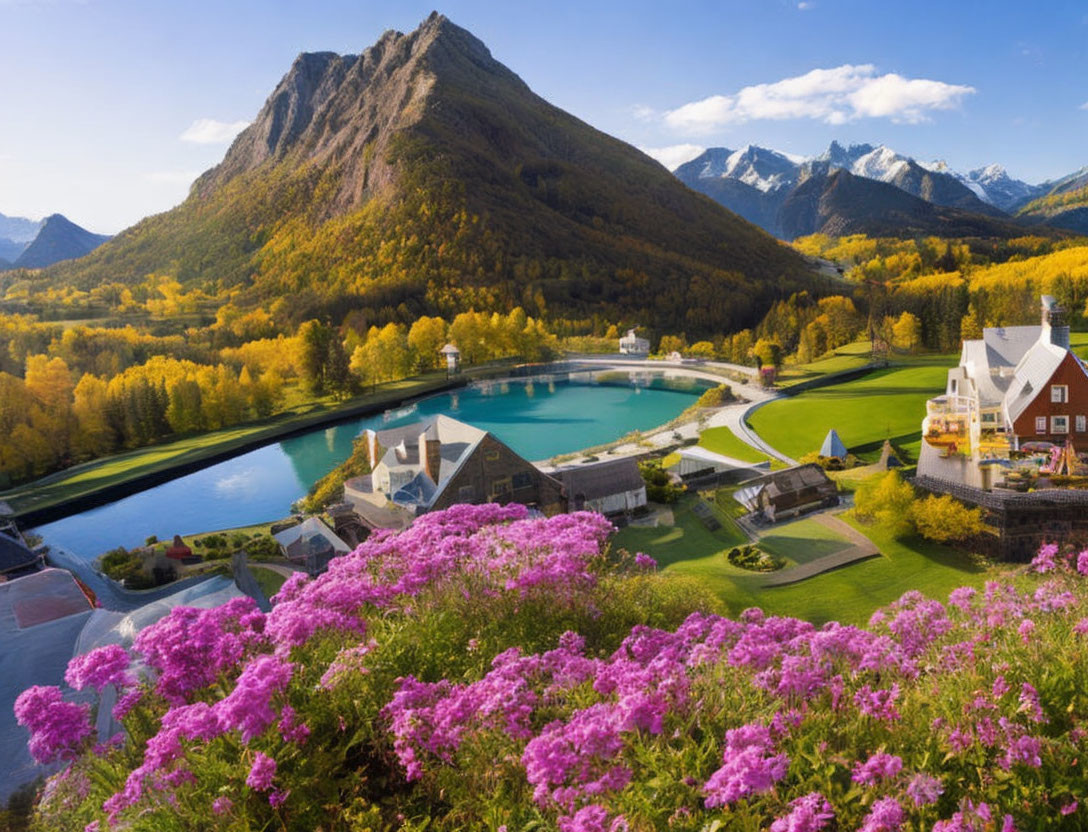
(601, 479)
(14, 554)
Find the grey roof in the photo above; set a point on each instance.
(601, 479)
(1031, 376)
(14, 554)
(1005, 346)
(833, 445)
(791, 479)
(306, 530)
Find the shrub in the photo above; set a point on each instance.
(754, 559)
(659, 486)
(944, 519)
(886, 499)
(484, 670)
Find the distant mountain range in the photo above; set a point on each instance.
(424, 177)
(784, 193)
(26, 244)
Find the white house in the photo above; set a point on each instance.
(631, 344)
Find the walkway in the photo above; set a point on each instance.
(862, 549)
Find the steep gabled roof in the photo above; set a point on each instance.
(14, 554)
(1006, 345)
(1032, 374)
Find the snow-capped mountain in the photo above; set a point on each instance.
(763, 169)
(992, 184)
(880, 163)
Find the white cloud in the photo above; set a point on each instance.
(835, 96)
(675, 155)
(1083, 106)
(644, 113)
(210, 131)
(172, 177)
(804, 5)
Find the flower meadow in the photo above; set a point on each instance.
(485, 669)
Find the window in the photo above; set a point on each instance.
(465, 494)
(491, 456)
(1040, 424)
(501, 488)
(1059, 424)
(1059, 393)
(953, 384)
(1081, 424)
(523, 479)
(989, 418)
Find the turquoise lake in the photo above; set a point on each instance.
(538, 419)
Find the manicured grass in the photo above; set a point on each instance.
(268, 580)
(803, 541)
(723, 441)
(849, 595)
(884, 404)
(848, 357)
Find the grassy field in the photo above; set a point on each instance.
(848, 357)
(723, 441)
(97, 475)
(849, 595)
(268, 580)
(884, 404)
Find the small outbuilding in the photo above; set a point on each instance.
(789, 493)
(631, 344)
(611, 487)
(833, 446)
(178, 550)
(311, 533)
(453, 358)
(697, 461)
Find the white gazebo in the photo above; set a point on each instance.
(453, 358)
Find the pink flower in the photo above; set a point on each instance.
(885, 816)
(1026, 628)
(879, 766)
(100, 667)
(57, 728)
(644, 561)
(924, 790)
(222, 805)
(808, 814)
(261, 773)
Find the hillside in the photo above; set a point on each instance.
(58, 239)
(524, 680)
(1064, 205)
(839, 204)
(424, 176)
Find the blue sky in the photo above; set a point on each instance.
(111, 107)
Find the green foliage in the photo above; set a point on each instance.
(659, 486)
(887, 499)
(945, 519)
(754, 559)
(330, 488)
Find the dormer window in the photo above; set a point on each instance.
(953, 385)
(1059, 393)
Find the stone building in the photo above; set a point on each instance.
(439, 462)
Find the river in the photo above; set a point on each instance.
(537, 418)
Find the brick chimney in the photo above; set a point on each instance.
(1055, 323)
(430, 453)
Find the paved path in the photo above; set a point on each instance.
(862, 548)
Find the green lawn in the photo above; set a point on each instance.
(803, 541)
(848, 357)
(884, 404)
(723, 441)
(849, 595)
(268, 580)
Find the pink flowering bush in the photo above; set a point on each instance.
(489, 670)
